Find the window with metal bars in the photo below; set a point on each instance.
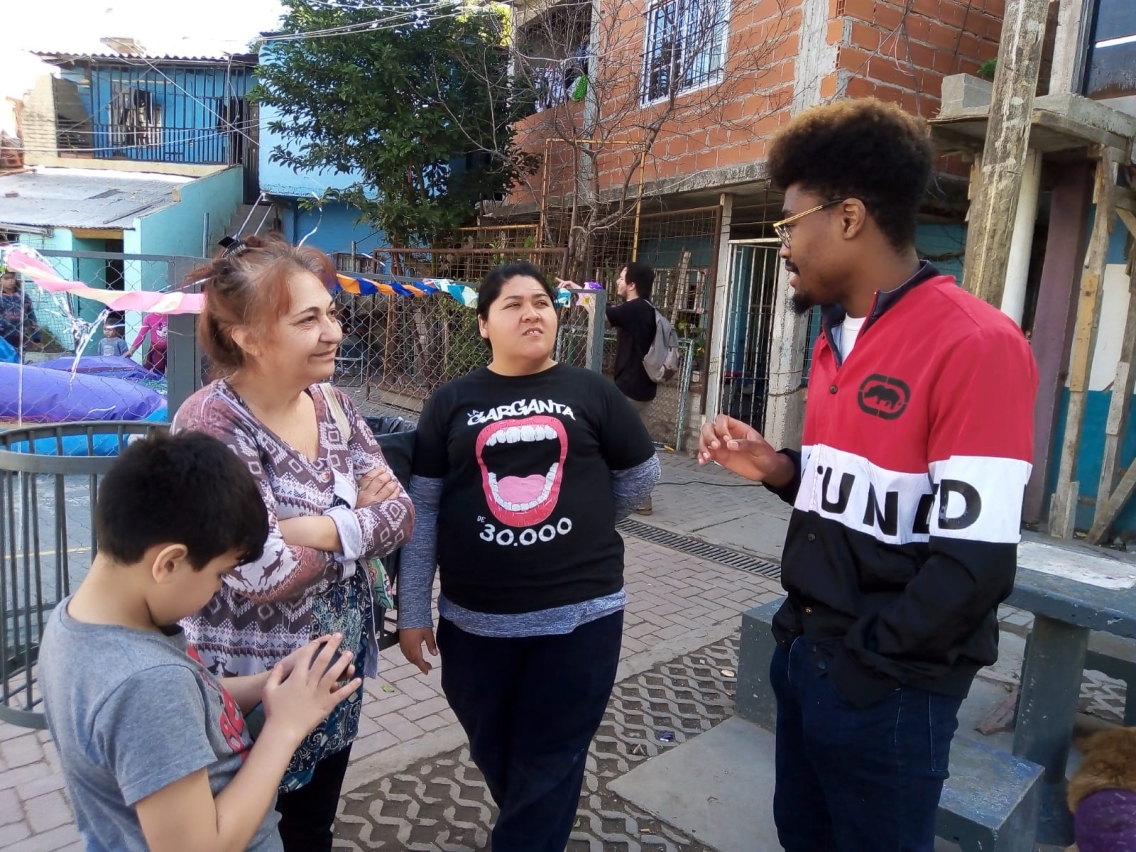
(685, 46)
(135, 118)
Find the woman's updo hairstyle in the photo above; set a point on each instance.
(247, 285)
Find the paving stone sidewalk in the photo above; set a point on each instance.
(442, 802)
(676, 603)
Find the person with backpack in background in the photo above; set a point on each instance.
(636, 326)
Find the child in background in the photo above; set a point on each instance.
(155, 751)
(18, 324)
(114, 326)
(154, 326)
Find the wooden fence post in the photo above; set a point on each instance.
(1063, 509)
(992, 214)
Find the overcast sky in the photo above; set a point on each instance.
(74, 25)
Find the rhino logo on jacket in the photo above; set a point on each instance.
(883, 396)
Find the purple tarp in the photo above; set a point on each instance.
(111, 366)
(54, 396)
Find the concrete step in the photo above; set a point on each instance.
(250, 216)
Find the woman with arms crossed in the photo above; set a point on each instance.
(269, 328)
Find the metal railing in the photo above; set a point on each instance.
(162, 143)
(49, 477)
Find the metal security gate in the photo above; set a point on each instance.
(750, 308)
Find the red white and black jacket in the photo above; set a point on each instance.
(908, 494)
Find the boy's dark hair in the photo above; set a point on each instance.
(642, 276)
(862, 148)
(183, 489)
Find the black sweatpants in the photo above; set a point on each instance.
(307, 815)
(530, 708)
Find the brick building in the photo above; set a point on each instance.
(680, 99)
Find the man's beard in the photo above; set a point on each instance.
(800, 303)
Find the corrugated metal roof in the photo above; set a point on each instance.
(83, 198)
(174, 49)
(241, 57)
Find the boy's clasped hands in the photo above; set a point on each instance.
(304, 687)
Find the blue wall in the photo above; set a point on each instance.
(1092, 453)
(278, 179)
(667, 253)
(177, 229)
(336, 225)
(189, 100)
(1093, 430)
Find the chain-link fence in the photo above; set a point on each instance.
(90, 362)
(457, 264)
(668, 415)
(680, 245)
(398, 350)
(501, 237)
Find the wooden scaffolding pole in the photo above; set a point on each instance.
(995, 203)
(1110, 502)
(1063, 509)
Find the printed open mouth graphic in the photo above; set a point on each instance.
(522, 465)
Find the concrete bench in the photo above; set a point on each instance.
(990, 802)
(1114, 656)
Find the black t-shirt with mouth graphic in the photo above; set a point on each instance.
(527, 515)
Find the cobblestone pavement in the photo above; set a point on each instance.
(676, 603)
(442, 803)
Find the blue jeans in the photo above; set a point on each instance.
(851, 779)
(530, 708)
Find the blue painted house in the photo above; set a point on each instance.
(329, 225)
(133, 152)
(126, 104)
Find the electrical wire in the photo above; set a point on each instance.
(417, 15)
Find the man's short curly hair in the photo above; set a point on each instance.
(862, 148)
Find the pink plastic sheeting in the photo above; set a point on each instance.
(145, 301)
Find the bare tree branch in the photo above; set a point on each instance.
(656, 76)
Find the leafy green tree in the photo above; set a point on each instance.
(416, 97)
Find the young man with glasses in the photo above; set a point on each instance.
(907, 491)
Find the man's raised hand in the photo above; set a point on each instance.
(738, 447)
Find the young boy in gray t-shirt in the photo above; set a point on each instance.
(155, 750)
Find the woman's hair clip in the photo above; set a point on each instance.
(232, 246)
